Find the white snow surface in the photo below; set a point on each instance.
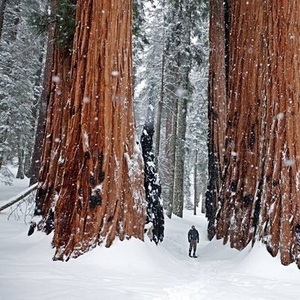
(136, 270)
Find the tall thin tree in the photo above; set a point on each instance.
(2, 10)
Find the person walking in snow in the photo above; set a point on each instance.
(193, 238)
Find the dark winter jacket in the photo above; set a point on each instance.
(193, 235)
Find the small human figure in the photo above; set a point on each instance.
(193, 238)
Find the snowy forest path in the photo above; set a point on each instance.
(195, 274)
(136, 270)
(218, 271)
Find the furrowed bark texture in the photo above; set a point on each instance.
(56, 124)
(101, 192)
(217, 110)
(53, 114)
(43, 104)
(254, 167)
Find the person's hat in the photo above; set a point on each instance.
(193, 226)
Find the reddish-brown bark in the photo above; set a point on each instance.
(254, 182)
(54, 136)
(217, 111)
(98, 191)
(43, 105)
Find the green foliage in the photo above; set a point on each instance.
(40, 22)
(63, 18)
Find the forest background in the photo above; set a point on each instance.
(252, 191)
(170, 52)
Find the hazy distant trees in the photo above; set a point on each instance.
(2, 11)
(254, 125)
(20, 70)
(177, 49)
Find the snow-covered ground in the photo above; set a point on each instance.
(135, 270)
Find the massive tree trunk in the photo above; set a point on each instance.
(217, 109)
(254, 125)
(98, 190)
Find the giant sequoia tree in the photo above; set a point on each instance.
(94, 187)
(254, 125)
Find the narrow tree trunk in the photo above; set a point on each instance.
(38, 111)
(43, 104)
(160, 109)
(196, 191)
(20, 173)
(162, 92)
(178, 198)
(2, 10)
(183, 92)
(169, 156)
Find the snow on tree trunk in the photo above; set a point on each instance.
(155, 213)
(183, 92)
(20, 172)
(99, 184)
(254, 136)
(178, 198)
(169, 155)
